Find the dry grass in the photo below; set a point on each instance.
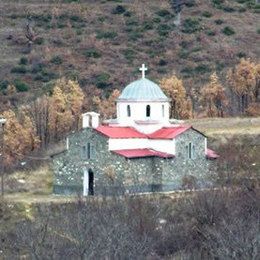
(148, 47)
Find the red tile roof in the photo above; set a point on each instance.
(168, 132)
(120, 132)
(129, 132)
(140, 153)
(211, 154)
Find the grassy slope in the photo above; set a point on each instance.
(72, 30)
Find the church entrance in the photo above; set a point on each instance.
(88, 183)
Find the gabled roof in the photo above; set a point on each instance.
(211, 154)
(120, 132)
(141, 153)
(129, 132)
(168, 132)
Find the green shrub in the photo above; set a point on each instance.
(57, 60)
(188, 71)
(162, 62)
(219, 21)
(23, 61)
(258, 30)
(127, 14)
(106, 35)
(210, 33)
(39, 41)
(129, 54)
(206, 14)
(135, 35)
(190, 25)
(4, 84)
(37, 68)
(202, 69)
(183, 54)
(241, 9)
(163, 13)
(19, 70)
(119, 10)
(162, 70)
(228, 9)
(217, 3)
(102, 80)
(156, 20)
(92, 53)
(241, 54)
(76, 18)
(163, 29)
(147, 25)
(228, 31)
(21, 86)
(47, 75)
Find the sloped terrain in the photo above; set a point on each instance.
(102, 43)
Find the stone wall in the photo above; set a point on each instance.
(182, 170)
(116, 174)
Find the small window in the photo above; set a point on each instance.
(128, 111)
(190, 150)
(162, 110)
(148, 111)
(88, 151)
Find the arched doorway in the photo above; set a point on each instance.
(88, 183)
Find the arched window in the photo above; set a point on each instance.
(162, 110)
(128, 111)
(148, 111)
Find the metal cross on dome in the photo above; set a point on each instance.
(143, 69)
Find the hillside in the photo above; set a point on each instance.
(103, 42)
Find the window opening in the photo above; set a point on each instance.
(148, 111)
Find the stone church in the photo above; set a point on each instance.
(142, 150)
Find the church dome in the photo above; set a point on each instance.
(142, 90)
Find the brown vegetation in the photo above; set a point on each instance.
(220, 224)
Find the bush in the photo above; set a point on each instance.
(92, 53)
(163, 13)
(101, 80)
(21, 86)
(19, 70)
(190, 25)
(129, 54)
(37, 68)
(228, 9)
(228, 31)
(219, 21)
(39, 41)
(76, 18)
(106, 35)
(241, 55)
(202, 69)
(217, 3)
(156, 20)
(147, 25)
(119, 10)
(206, 14)
(163, 29)
(162, 62)
(210, 33)
(183, 54)
(23, 61)
(57, 60)
(4, 84)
